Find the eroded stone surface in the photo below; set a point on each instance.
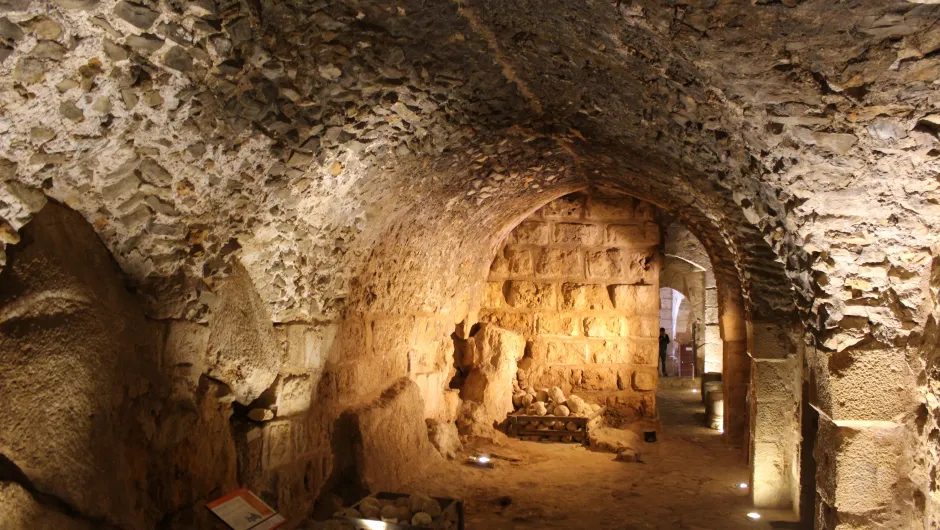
(588, 301)
(20, 510)
(368, 157)
(491, 358)
(242, 348)
(391, 444)
(445, 438)
(76, 346)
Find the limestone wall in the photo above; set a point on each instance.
(377, 349)
(285, 135)
(148, 419)
(579, 279)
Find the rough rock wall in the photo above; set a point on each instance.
(808, 177)
(579, 280)
(116, 420)
(926, 420)
(91, 423)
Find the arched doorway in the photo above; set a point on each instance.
(522, 264)
(678, 321)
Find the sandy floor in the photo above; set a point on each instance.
(688, 480)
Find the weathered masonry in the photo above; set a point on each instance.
(578, 280)
(237, 237)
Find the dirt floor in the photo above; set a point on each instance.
(687, 480)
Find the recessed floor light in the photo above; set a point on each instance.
(753, 515)
(372, 525)
(481, 461)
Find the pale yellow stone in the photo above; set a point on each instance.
(575, 234)
(531, 295)
(557, 262)
(531, 233)
(604, 327)
(593, 297)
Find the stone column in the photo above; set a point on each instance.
(736, 365)
(735, 376)
(695, 293)
(860, 475)
(862, 455)
(774, 435)
(774, 415)
(712, 336)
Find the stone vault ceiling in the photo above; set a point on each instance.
(295, 134)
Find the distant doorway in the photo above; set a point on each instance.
(675, 316)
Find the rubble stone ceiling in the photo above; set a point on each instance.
(342, 150)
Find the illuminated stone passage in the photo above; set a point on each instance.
(228, 229)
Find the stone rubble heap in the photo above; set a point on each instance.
(551, 403)
(417, 510)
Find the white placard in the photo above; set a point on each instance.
(243, 510)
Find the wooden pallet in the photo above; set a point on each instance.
(517, 429)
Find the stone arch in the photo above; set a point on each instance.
(813, 191)
(679, 321)
(757, 313)
(412, 290)
(690, 280)
(689, 267)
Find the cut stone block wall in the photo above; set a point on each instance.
(579, 279)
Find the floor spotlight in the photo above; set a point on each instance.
(372, 525)
(743, 485)
(481, 461)
(753, 515)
